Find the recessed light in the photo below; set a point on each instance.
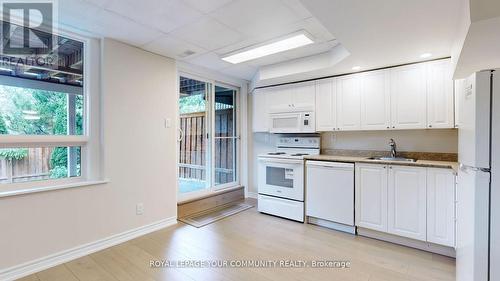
(356, 68)
(426, 55)
(289, 43)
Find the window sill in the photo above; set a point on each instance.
(23, 191)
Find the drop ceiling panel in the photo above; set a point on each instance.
(100, 3)
(157, 14)
(108, 24)
(170, 46)
(256, 18)
(209, 59)
(207, 6)
(297, 8)
(208, 33)
(77, 14)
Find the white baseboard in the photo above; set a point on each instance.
(40, 264)
(253, 195)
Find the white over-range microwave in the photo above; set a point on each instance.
(294, 120)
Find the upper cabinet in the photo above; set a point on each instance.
(348, 103)
(304, 95)
(260, 118)
(326, 100)
(415, 96)
(375, 100)
(440, 111)
(279, 99)
(291, 97)
(408, 97)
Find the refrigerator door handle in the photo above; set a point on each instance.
(464, 167)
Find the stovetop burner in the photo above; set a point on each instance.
(276, 153)
(300, 154)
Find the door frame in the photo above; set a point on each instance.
(212, 189)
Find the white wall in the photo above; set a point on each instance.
(445, 141)
(138, 92)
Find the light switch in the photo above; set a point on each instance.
(168, 123)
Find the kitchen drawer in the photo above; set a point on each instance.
(289, 209)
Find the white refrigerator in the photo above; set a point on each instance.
(478, 190)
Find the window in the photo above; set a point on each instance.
(42, 114)
(208, 142)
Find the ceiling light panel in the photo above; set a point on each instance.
(279, 46)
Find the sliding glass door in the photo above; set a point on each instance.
(208, 137)
(193, 157)
(225, 138)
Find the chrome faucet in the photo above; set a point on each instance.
(392, 143)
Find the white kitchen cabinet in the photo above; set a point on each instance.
(375, 100)
(260, 118)
(279, 99)
(348, 103)
(406, 206)
(371, 196)
(304, 94)
(287, 97)
(440, 108)
(408, 97)
(326, 111)
(441, 206)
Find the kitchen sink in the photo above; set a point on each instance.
(397, 159)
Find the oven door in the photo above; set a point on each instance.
(282, 178)
(285, 122)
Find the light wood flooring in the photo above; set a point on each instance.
(253, 236)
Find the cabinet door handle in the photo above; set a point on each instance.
(388, 127)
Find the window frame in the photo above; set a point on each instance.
(30, 141)
(212, 189)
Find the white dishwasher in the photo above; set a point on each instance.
(330, 195)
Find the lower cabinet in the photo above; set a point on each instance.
(411, 202)
(371, 196)
(406, 204)
(441, 206)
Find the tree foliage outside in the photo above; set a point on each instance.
(192, 104)
(25, 111)
(3, 126)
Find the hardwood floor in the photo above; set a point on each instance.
(253, 236)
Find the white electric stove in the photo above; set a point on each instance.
(281, 177)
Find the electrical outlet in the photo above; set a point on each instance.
(139, 209)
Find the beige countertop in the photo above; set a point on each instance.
(359, 159)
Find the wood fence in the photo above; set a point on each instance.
(35, 166)
(193, 146)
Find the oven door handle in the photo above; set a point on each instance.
(281, 161)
